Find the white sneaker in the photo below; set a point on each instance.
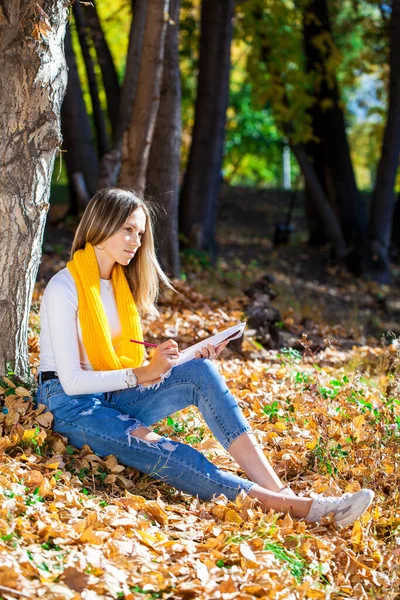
(347, 508)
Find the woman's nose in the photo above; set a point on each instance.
(135, 240)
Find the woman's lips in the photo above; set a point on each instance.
(131, 252)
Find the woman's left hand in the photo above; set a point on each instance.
(211, 351)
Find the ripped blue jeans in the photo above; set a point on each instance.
(106, 422)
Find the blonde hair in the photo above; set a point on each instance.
(106, 213)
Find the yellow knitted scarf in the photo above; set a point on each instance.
(96, 334)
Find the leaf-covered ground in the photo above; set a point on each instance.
(74, 525)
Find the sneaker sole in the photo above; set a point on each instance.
(356, 509)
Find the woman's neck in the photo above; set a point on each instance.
(105, 263)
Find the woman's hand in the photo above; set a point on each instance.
(164, 357)
(211, 351)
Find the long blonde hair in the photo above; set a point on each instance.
(106, 213)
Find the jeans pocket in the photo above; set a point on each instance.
(48, 390)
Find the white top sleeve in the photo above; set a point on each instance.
(61, 347)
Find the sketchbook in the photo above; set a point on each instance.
(232, 333)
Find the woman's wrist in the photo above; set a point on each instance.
(146, 373)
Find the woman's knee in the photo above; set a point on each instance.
(202, 369)
(146, 434)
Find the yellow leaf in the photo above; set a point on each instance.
(8, 382)
(388, 467)
(231, 516)
(311, 445)
(29, 435)
(227, 587)
(359, 421)
(45, 419)
(146, 538)
(89, 536)
(357, 534)
(33, 479)
(280, 426)
(22, 392)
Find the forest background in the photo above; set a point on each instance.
(268, 135)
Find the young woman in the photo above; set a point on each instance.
(101, 393)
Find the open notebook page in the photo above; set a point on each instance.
(232, 333)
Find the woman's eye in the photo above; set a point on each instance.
(129, 229)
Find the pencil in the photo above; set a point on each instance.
(144, 343)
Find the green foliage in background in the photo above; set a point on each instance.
(269, 86)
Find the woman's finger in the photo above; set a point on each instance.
(220, 348)
(211, 351)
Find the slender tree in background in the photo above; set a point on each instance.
(201, 186)
(32, 85)
(383, 199)
(111, 162)
(98, 116)
(316, 228)
(80, 154)
(137, 139)
(330, 125)
(164, 160)
(106, 63)
(326, 213)
(395, 238)
(327, 217)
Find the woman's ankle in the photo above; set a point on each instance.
(298, 507)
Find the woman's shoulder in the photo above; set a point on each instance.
(61, 284)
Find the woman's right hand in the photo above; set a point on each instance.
(164, 357)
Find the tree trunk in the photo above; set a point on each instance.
(106, 63)
(199, 199)
(395, 241)
(316, 229)
(331, 124)
(383, 199)
(32, 85)
(80, 156)
(137, 139)
(164, 160)
(98, 117)
(325, 210)
(111, 162)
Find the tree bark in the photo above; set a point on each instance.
(199, 199)
(111, 161)
(331, 124)
(383, 199)
(325, 210)
(317, 235)
(106, 63)
(80, 156)
(395, 241)
(164, 160)
(98, 116)
(137, 139)
(32, 85)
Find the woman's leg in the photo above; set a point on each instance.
(249, 455)
(198, 383)
(95, 421)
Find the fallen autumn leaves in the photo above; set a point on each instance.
(74, 525)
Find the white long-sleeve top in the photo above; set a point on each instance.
(61, 346)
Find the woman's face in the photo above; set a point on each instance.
(122, 246)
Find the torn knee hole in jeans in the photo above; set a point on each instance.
(163, 443)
